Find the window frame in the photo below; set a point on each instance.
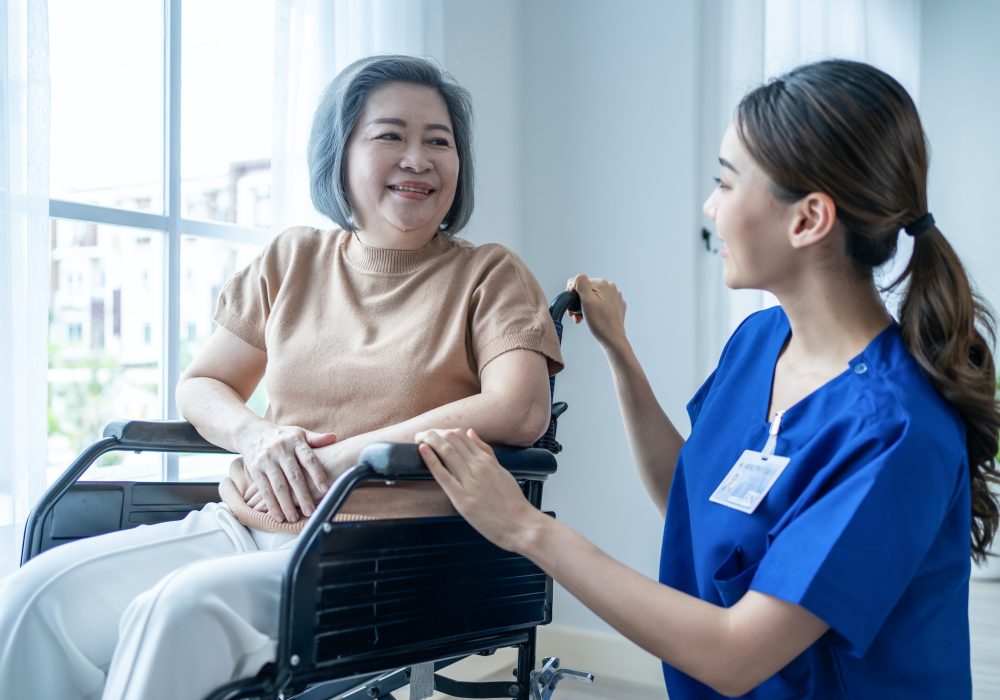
(171, 225)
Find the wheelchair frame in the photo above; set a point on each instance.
(362, 602)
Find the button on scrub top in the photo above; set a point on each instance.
(868, 527)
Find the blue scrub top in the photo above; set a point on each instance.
(868, 527)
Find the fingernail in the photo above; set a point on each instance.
(279, 517)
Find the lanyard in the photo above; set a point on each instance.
(772, 436)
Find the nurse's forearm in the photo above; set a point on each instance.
(732, 650)
(652, 438)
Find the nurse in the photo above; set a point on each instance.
(820, 516)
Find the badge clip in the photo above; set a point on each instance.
(772, 436)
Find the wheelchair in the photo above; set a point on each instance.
(367, 607)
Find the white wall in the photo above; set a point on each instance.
(960, 107)
(586, 143)
(607, 138)
(480, 50)
(476, 41)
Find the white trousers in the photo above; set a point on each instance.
(168, 611)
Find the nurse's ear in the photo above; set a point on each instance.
(813, 218)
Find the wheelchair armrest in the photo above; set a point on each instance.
(398, 460)
(159, 435)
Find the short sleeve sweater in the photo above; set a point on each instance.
(358, 338)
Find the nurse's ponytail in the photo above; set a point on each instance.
(851, 131)
(943, 324)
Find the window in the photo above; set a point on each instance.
(160, 163)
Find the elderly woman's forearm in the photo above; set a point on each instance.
(215, 409)
(496, 419)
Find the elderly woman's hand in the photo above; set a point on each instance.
(485, 493)
(288, 477)
(603, 308)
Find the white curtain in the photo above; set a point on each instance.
(885, 33)
(24, 265)
(315, 40)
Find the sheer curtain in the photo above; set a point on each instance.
(24, 265)
(769, 37)
(315, 39)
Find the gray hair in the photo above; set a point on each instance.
(338, 112)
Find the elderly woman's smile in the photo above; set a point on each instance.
(411, 190)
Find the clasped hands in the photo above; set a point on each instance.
(287, 476)
(289, 479)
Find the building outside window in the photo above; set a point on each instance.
(160, 162)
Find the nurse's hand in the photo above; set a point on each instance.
(603, 308)
(482, 491)
(288, 478)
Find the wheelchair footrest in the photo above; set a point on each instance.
(476, 689)
(544, 681)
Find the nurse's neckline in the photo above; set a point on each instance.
(857, 365)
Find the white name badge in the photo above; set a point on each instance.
(749, 480)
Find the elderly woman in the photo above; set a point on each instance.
(373, 331)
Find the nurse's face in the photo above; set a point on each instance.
(402, 166)
(750, 221)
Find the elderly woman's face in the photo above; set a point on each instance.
(402, 166)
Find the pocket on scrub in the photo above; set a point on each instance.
(733, 577)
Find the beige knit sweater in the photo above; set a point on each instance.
(358, 338)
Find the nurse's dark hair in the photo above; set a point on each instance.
(851, 131)
(337, 114)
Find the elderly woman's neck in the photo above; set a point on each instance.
(396, 239)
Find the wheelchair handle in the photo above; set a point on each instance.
(565, 301)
